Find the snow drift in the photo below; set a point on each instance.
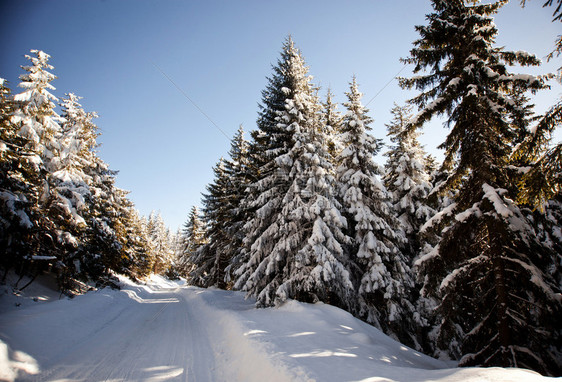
(163, 331)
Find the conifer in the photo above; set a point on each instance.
(293, 242)
(384, 275)
(488, 262)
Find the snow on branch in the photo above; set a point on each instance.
(537, 278)
(436, 219)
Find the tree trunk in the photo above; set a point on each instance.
(504, 331)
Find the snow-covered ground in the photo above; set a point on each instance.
(164, 331)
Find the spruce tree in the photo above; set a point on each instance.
(266, 183)
(71, 199)
(224, 215)
(137, 249)
(109, 224)
(497, 302)
(60, 207)
(39, 130)
(20, 183)
(294, 240)
(238, 171)
(407, 179)
(35, 109)
(193, 235)
(384, 274)
(331, 121)
(211, 259)
(160, 238)
(101, 246)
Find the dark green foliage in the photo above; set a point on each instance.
(489, 269)
(331, 121)
(211, 259)
(20, 182)
(192, 238)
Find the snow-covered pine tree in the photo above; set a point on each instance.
(294, 240)
(407, 179)
(224, 215)
(193, 237)
(100, 249)
(20, 185)
(70, 183)
(103, 245)
(87, 185)
(266, 184)
(177, 245)
(497, 300)
(160, 239)
(35, 109)
(211, 258)
(38, 126)
(331, 120)
(238, 171)
(384, 276)
(132, 231)
(60, 200)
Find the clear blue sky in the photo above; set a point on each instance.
(220, 52)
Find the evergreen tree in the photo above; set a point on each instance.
(384, 277)
(294, 240)
(266, 183)
(20, 183)
(237, 170)
(35, 109)
(540, 161)
(137, 247)
(103, 246)
(407, 178)
(70, 198)
(81, 202)
(211, 259)
(38, 129)
(489, 262)
(331, 120)
(224, 215)
(160, 239)
(193, 238)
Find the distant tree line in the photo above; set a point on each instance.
(461, 258)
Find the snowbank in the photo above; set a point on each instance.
(165, 331)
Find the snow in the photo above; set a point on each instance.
(165, 331)
(447, 211)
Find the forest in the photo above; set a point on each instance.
(460, 259)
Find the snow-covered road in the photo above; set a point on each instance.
(165, 332)
(138, 334)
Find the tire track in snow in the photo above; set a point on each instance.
(154, 336)
(150, 334)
